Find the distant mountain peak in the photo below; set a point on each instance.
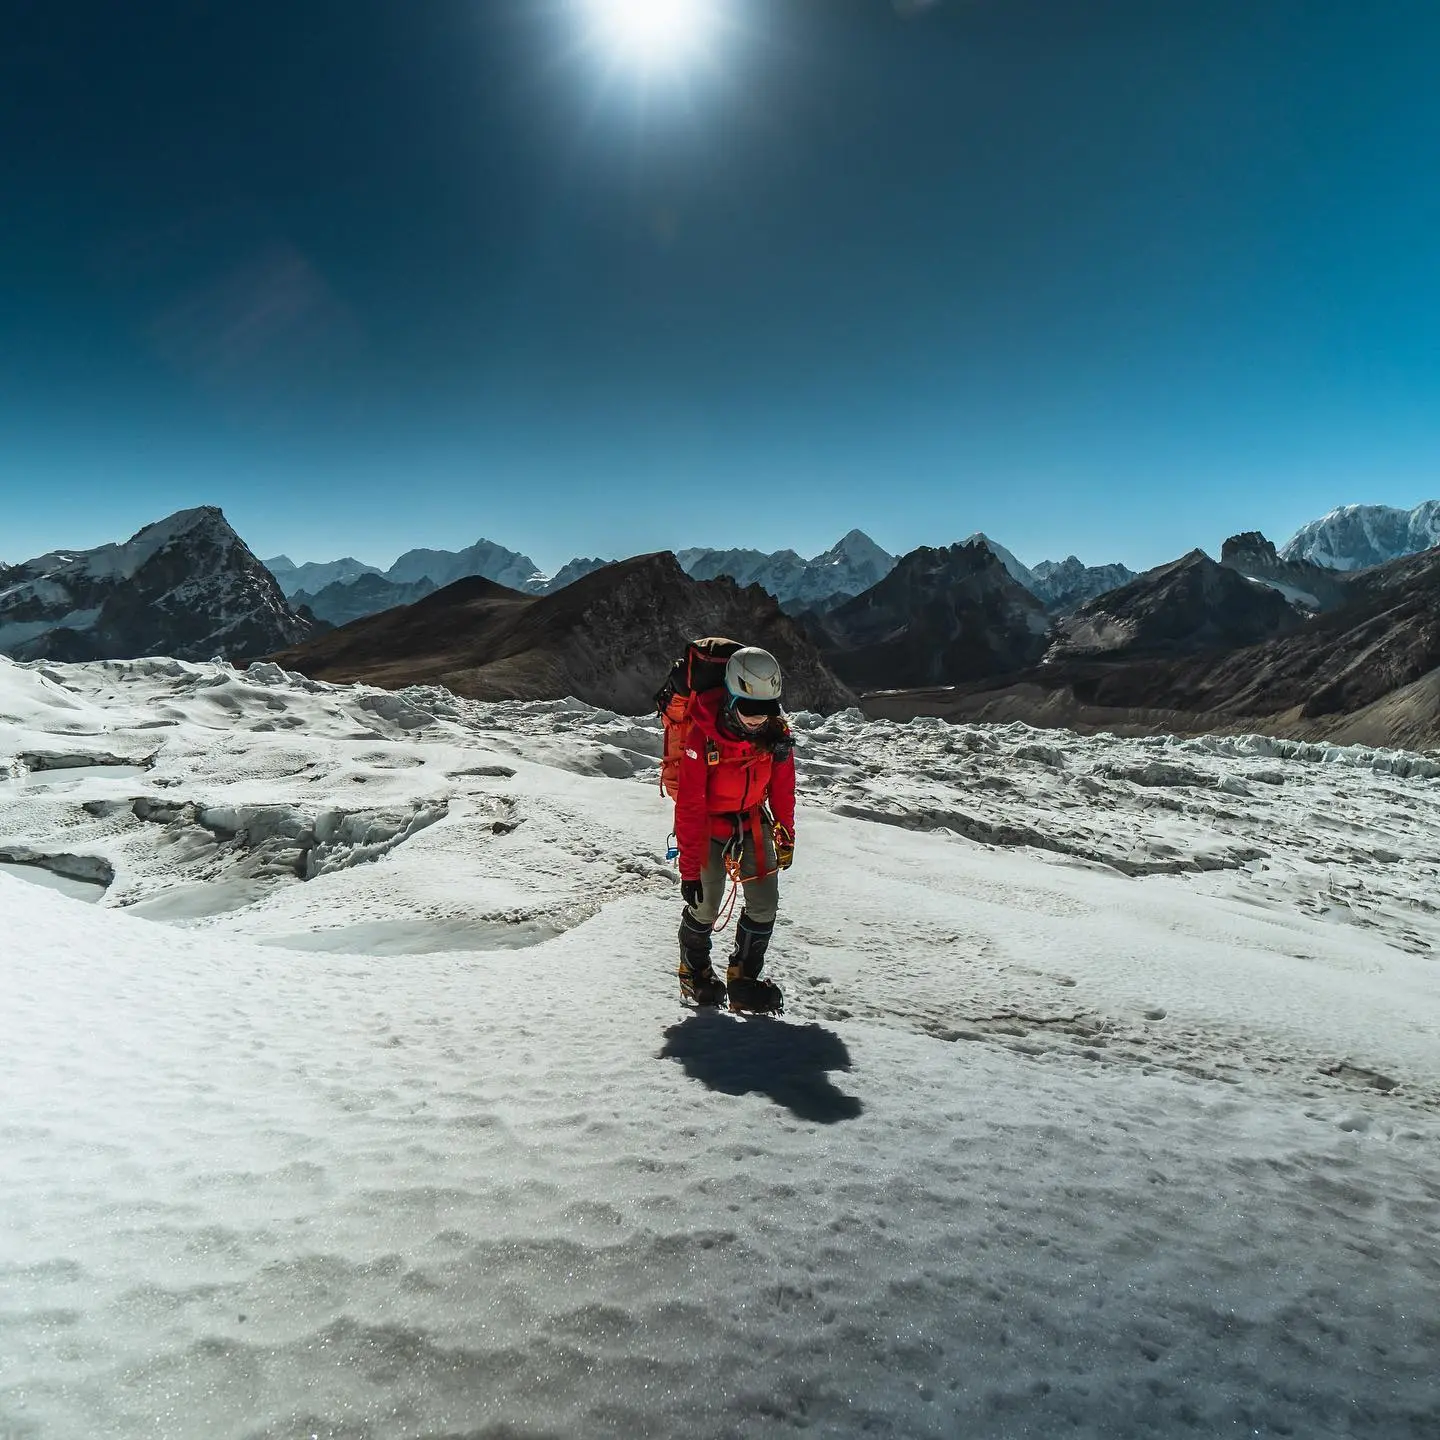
(853, 564)
(854, 545)
(484, 557)
(1355, 537)
(1020, 572)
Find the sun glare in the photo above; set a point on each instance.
(652, 34)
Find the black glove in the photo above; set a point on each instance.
(692, 892)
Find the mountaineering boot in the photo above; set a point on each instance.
(699, 983)
(747, 991)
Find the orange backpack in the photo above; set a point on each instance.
(700, 668)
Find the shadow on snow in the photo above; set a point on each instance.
(789, 1063)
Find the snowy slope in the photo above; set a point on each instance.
(1354, 537)
(1105, 1104)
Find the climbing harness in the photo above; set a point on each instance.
(734, 857)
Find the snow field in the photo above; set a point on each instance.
(423, 1145)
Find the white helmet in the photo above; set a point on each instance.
(752, 678)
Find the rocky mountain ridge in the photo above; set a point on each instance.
(1349, 538)
(1164, 643)
(848, 568)
(1065, 585)
(1190, 604)
(1366, 671)
(941, 616)
(1302, 582)
(186, 586)
(608, 639)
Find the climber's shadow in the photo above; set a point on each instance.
(787, 1062)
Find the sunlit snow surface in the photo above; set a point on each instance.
(1106, 1102)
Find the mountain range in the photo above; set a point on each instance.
(1266, 638)
(339, 591)
(1352, 537)
(1184, 650)
(608, 639)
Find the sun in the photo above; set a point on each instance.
(652, 35)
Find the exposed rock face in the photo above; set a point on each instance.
(1310, 586)
(186, 587)
(1018, 571)
(607, 639)
(1355, 537)
(852, 565)
(1065, 585)
(344, 601)
(1367, 671)
(1061, 585)
(1189, 605)
(939, 618)
(1385, 636)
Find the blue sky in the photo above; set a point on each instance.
(1114, 278)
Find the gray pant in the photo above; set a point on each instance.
(762, 897)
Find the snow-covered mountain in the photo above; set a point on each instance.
(1018, 571)
(313, 577)
(572, 571)
(851, 566)
(440, 567)
(1065, 585)
(353, 596)
(186, 586)
(1354, 537)
(1061, 585)
(484, 558)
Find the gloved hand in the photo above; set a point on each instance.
(784, 848)
(692, 892)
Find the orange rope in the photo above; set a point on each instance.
(722, 917)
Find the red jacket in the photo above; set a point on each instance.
(743, 776)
